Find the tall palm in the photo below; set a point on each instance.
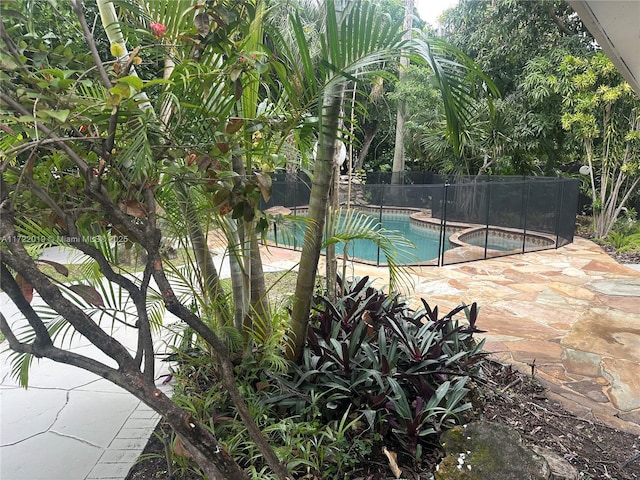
(353, 44)
(398, 153)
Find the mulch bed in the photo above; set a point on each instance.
(595, 450)
(622, 257)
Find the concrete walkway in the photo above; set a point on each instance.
(573, 312)
(70, 424)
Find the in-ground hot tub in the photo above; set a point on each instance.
(502, 239)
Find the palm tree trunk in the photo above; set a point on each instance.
(239, 292)
(398, 153)
(212, 286)
(331, 266)
(259, 319)
(111, 25)
(322, 176)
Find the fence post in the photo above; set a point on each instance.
(486, 231)
(525, 207)
(380, 222)
(443, 225)
(295, 214)
(558, 210)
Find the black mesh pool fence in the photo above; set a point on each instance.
(451, 219)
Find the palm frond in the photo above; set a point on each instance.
(354, 225)
(205, 101)
(136, 159)
(20, 366)
(458, 78)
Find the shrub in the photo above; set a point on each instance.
(624, 242)
(374, 371)
(402, 371)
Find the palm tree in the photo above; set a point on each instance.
(398, 153)
(353, 44)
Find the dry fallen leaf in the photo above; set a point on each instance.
(393, 462)
(134, 208)
(180, 450)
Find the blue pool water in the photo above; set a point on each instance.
(501, 244)
(425, 240)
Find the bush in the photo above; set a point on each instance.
(627, 223)
(401, 372)
(374, 372)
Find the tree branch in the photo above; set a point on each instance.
(45, 197)
(21, 261)
(558, 21)
(12, 48)
(94, 188)
(13, 290)
(59, 355)
(47, 141)
(88, 37)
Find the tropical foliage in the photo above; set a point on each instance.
(374, 374)
(564, 105)
(161, 128)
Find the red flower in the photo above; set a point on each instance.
(158, 29)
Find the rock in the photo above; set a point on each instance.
(483, 450)
(560, 468)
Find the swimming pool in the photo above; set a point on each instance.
(502, 239)
(425, 240)
(425, 236)
(484, 217)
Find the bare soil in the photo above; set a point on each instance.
(595, 450)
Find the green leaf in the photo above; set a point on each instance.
(60, 115)
(132, 81)
(122, 89)
(157, 81)
(113, 100)
(235, 74)
(56, 72)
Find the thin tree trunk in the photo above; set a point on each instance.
(369, 135)
(322, 173)
(236, 268)
(259, 318)
(331, 266)
(398, 152)
(226, 369)
(204, 260)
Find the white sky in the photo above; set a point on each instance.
(430, 10)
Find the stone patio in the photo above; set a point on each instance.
(571, 314)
